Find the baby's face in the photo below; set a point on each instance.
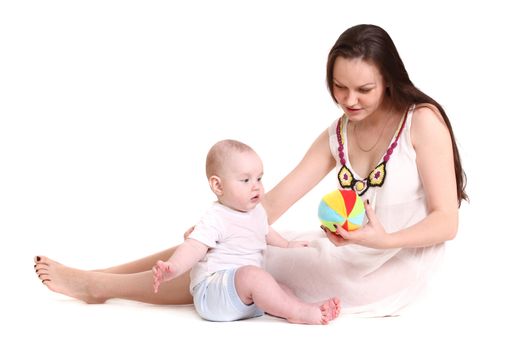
(242, 181)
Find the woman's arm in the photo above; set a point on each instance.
(315, 165)
(435, 162)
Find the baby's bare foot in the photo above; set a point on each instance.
(68, 281)
(330, 309)
(320, 313)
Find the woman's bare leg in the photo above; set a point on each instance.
(141, 265)
(97, 287)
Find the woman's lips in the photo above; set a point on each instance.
(353, 110)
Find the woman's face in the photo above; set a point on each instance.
(358, 87)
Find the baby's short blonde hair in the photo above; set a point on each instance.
(219, 153)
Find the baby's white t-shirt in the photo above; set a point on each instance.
(235, 239)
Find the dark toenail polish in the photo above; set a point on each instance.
(37, 258)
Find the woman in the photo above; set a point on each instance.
(393, 145)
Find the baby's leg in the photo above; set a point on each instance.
(334, 303)
(97, 287)
(254, 285)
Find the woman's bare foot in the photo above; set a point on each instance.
(321, 313)
(68, 281)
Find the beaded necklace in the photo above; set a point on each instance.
(376, 178)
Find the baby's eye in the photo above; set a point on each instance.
(245, 180)
(259, 179)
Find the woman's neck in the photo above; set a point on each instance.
(381, 116)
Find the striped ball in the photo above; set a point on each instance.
(342, 207)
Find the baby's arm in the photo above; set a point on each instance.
(275, 239)
(185, 256)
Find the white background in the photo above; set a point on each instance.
(107, 110)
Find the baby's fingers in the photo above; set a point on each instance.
(156, 285)
(163, 266)
(157, 280)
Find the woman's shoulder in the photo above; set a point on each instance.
(426, 112)
(427, 123)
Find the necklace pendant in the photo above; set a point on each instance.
(345, 177)
(377, 176)
(361, 186)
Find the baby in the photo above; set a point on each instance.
(226, 249)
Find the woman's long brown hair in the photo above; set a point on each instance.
(373, 44)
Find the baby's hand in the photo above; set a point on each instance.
(162, 271)
(298, 244)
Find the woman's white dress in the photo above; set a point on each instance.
(368, 281)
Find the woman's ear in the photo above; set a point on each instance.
(215, 185)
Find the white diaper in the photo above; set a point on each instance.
(216, 299)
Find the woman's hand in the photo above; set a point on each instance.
(188, 232)
(371, 235)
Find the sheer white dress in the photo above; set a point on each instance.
(369, 282)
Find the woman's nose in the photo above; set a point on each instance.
(351, 99)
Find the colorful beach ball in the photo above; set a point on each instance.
(342, 207)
